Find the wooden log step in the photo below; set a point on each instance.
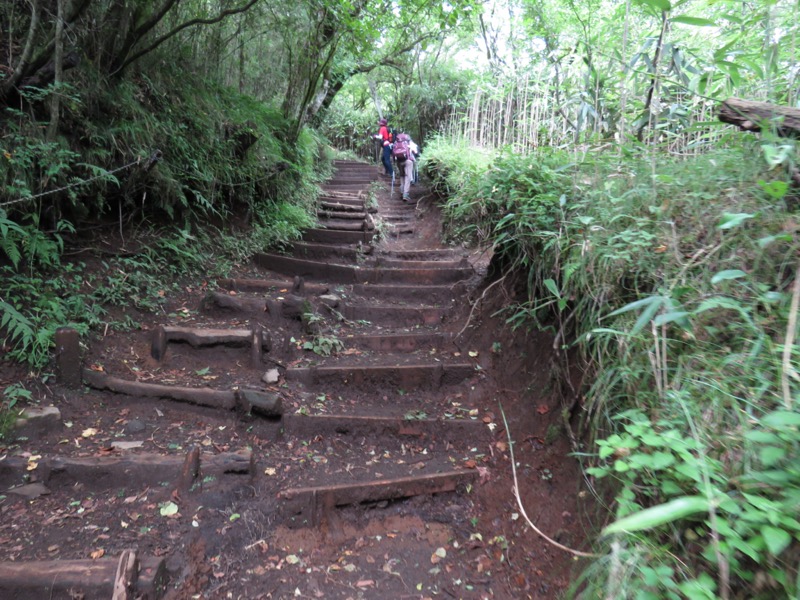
(384, 262)
(334, 186)
(346, 204)
(454, 431)
(338, 225)
(430, 254)
(125, 471)
(352, 176)
(307, 504)
(267, 405)
(341, 206)
(331, 236)
(339, 195)
(398, 218)
(271, 285)
(386, 376)
(125, 577)
(403, 316)
(400, 229)
(433, 294)
(197, 337)
(325, 251)
(401, 342)
(339, 273)
(341, 215)
(364, 168)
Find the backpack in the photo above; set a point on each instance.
(400, 150)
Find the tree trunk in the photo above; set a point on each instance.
(55, 106)
(654, 79)
(752, 116)
(26, 52)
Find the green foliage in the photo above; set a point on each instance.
(674, 280)
(324, 345)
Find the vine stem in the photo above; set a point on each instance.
(788, 343)
(519, 500)
(478, 301)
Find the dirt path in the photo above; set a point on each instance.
(324, 425)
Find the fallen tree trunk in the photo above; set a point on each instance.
(752, 116)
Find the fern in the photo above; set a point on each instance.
(17, 325)
(10, 235)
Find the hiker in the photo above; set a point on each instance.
(386, 136)
(406, 161)
(412, 145)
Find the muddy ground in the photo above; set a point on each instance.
(227, 533)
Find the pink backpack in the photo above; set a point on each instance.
(401, 150)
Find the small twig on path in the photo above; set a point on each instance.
(519, 500)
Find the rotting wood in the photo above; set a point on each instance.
(332, 236)
(405, 376)
(189, 470)
(294, 307)
(269, 285)
(256, 345)
(126, 576)
(197, 338)
(308, 502)
(749, 115)
(234, 302)
(68, 357)
(341, 207)
(400, 342)
(103, 472)
(87, 579)
(225, 399)
(266, 404)
(342, 225)
(448, 430)
(341, 214)
(298, 285)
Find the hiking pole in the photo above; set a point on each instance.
(391, 194)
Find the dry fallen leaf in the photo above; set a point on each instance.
(438, 555)
(542, 409)
(97, 553)
(483, 473)
(89, 432)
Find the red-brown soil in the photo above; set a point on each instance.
(426, 417)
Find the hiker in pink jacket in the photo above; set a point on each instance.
(404, 159)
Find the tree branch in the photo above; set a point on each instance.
(26, 52)
(222, 15)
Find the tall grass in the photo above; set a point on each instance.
(675, 280)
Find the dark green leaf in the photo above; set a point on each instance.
(696, 21)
